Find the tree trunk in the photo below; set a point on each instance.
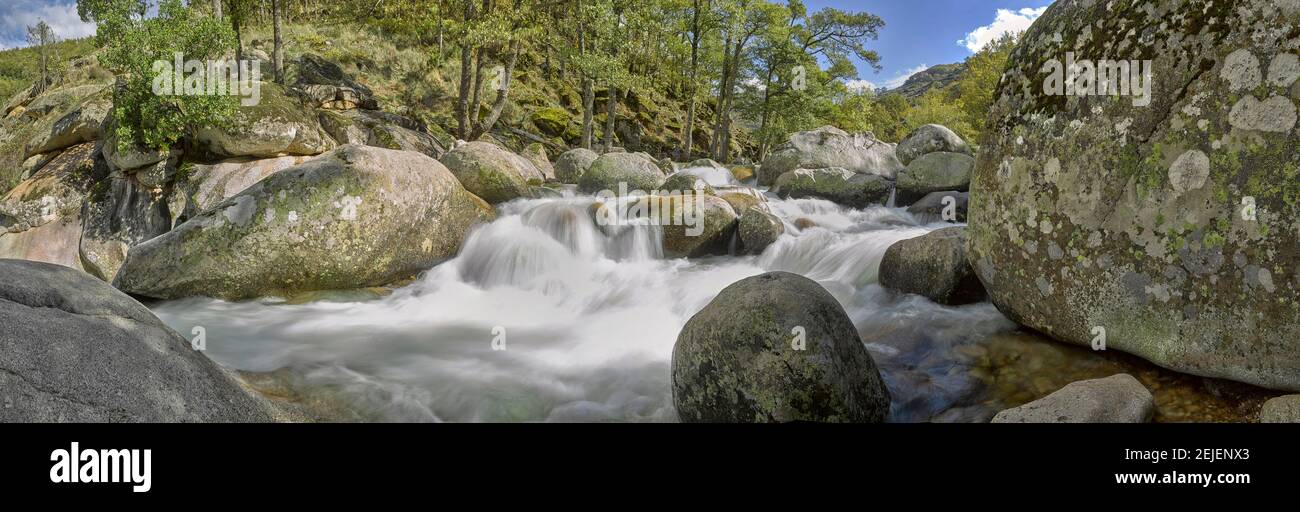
(689, 137)
(466, 80)
(475, 102)
(502, 94)
(216, 9)
(277, 52)
(611, 105)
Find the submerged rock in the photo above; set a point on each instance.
(571, 164)
(73, 349)
(356, 217)
(1168, 219)
(1115, 399)
(838, 185)
(931, 138)
(492, 172)
(933, 265)
(828, 147)
(775, 348)
(1283, 409)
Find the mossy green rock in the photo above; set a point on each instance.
(933, 172)
(776, 347)
(686, 183)
(1169, 230)
(932, 265)
(759, 229)
(707, 225)
(571, 164)
(637, 171)
(492, 172)
(278, 125)
(837, 184)
(358, 216)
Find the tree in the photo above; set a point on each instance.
(42, 37)
(132, 44)
(277, 53)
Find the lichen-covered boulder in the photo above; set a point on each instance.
(931, 138)
(536, 154)
(686, 183)
(379, 129)
(41, 218)
(776, 347)
(1115, 399)
(706, 228)
(742, 198)
(826, 147)
(83, 124)
(278, 125)
(758, 229)
(933, 265)
(202, 186)
(838, 185)
(635, 171)
(74, 349)
(571, 164)
(933, 172)
(1164, 221)
(355, 217)
(492, 172)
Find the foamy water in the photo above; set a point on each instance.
(587, 317)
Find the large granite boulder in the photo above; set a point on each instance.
(839, 185)
(73, 349)
(1165, 221)
(492, 172)
(379, 129)
(358, 216)
(758, 229)
(933, 172)
(615, 172)
(41, 218)
(571, 164)
(828, 147)
(776, 347)
(933, 265)
(278, 125)
(931, 138)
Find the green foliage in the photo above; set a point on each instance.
(133, 43)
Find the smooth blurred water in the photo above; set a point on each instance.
(589, 317)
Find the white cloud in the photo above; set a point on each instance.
(1007, 21)
(61, 15)
(893, 83)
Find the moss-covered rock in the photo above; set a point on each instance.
(552, 121)
(492, 172)
(634, 170)
(1166, 229)
(278, 125)
(775, 348)
(758, 229)
(571, 164)
(933, 172)
(932, 265)
(839, 185)
(356, 217)
(686, 183)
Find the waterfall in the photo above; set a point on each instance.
(587, 316)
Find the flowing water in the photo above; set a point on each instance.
(587, 318)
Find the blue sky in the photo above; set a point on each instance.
(917, 33)
(923, 33)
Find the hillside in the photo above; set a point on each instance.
(936, 77)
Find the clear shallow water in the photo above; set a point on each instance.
(589, 317)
